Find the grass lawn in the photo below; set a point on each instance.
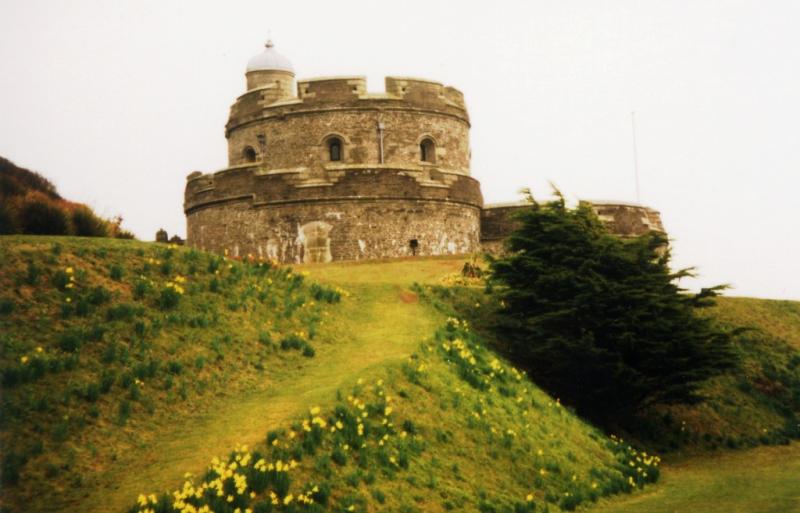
(761, 480)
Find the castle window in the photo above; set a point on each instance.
(427, 151)
(335, 149)
(249, 154)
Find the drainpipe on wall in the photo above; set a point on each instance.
(381, 127)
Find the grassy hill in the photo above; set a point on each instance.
(126, 365)
(30, 203)
(758, 403)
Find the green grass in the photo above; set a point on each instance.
(761, 480)
(757, 403)
(110, 347)
(478, 436)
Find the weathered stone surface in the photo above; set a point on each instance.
(622, 219)
(334, 172)
(286, 196)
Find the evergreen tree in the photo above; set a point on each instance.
(600, 321)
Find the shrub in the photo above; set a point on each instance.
(338, 456)
(70, 341)
(8, 224)
(264, 338)
(12, 464)
(33, 273)
(124, 412)
(123, 311)
(141, 288)
(308, 351)
(92, 392)
(175, 367)
(115, 272)
(86, 224)
(40, 215)
(60, 280)
(98, 295)
(107, 380)
(6, 306)
(292, 342)
(169, 298)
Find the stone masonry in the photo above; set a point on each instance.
(325, 171)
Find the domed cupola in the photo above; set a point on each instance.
(269, 60)
(272, 73)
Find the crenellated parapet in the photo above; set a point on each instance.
(262, 188)
(620, 218)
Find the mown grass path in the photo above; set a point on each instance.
(760, 480)
(378, 324)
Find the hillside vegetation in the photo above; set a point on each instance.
(30, 203)
(107, 343)
(126, 365)
(756, 403)
(131, 369)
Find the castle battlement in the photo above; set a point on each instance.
(327, 170)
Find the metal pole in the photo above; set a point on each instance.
(635, 157)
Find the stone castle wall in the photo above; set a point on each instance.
(621, 219)
(359, 213)
(337, 229)
(284, 197)
(293, 132)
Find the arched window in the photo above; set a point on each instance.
(427, 151)
(249, 154)
(335, 149)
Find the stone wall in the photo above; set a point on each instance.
(627, 219)
(326, 230)
(293, 133)
(356, 213)
(622, 219)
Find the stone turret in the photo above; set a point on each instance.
(334, 172)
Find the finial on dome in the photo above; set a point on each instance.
(269, 60)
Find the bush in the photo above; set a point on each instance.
(6, 306)
(292, 342)
(12, 464)
(169, 298)
(86, 224)
(40, 215)
(308, 351)
(70, 341)
(8, 224)
(115, 272)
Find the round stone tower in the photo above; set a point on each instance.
(334, 172)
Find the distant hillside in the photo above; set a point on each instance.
(126, 365)
(30, 204)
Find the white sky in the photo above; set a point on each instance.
(117, 101)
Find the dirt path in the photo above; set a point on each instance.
(371, 328)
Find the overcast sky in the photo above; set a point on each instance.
(117, 101)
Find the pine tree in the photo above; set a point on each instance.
(600, 321)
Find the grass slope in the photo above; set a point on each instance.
(111, 348)
(447, 425)
(760, 480)
(758, 403)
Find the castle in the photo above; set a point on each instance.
(333, 172)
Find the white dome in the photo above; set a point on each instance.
(269, 60)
